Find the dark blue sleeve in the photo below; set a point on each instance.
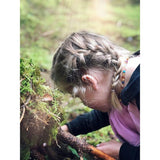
(88, 122)
(129, 152)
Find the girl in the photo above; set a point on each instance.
(106, 78)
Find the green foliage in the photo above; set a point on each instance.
(33, 84)
(41, 117)
(98, 136)
(123, 3)
(31, 80)
(124, 25)
(44, 24)
(75, 153)
(39, 56)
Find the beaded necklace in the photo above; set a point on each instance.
(123, 74)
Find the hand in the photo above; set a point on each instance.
(65, 128)
(111, 148)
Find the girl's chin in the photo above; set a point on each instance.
(104, 110)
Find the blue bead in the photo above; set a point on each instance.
(124, 71)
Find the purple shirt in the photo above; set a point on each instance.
(126, 124)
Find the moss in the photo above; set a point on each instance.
(43, 110)
(30, 77)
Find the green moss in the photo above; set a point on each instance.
(30, 77)
(38, 112)
(98, 136)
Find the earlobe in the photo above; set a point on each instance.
(90, 80)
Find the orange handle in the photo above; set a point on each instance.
(100, 154)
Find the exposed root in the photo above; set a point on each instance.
(80, 145)
(22, 80)
(24, 109)
(57, 143)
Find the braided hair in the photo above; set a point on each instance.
(82, 51)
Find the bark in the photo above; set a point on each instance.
(80, 145)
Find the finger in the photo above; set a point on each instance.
(102, 148)
(101, 144)
(65, 128)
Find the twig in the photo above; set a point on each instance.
(22, 79)
(27, 101)
(22, 114)
(57, 143)
(24, 107)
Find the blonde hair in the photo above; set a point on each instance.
(82, 51)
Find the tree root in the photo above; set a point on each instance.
(81, 145)
(24, 107)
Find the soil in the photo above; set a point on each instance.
(36, 132)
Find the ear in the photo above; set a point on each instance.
(90, 80)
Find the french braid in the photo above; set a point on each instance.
(81, 51)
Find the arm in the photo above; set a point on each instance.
(88, 122)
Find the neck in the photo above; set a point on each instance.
(129, 68)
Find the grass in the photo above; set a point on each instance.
(99, 136)
(45, 25)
